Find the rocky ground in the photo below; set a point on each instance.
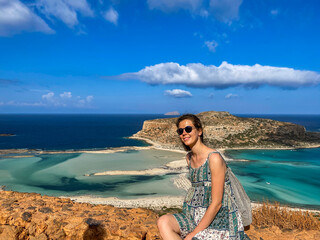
(274, 233)
(35, 217)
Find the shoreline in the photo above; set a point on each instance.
(176, 166)
(158, 203)
(153, 145)
(154, 203)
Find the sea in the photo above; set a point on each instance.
(291, 177)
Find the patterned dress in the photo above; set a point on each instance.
(227, 224)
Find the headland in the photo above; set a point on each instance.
(224, 130)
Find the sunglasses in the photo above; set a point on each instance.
(188, 129)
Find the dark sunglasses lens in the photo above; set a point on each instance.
(188, 129)
(180, 131)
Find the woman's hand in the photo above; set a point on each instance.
(189, 236)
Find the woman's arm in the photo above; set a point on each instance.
(218, 169)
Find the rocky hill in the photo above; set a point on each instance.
(223, 130)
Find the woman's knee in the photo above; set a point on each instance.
(163, 222)
(168, 223)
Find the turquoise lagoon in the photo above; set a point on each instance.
(288, 176)
(64, 174)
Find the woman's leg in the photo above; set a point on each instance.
(168, 227)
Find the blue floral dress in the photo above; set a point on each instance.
(227, 224)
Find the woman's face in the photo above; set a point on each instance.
(191, 138)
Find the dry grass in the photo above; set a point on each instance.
(273, 215)
(165, 210)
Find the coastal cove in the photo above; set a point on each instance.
(288, 176)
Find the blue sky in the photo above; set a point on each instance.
(158, 56)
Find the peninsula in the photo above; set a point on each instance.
(224, 130)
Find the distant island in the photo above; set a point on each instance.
(6, 134)
(172, 113)
(224, 130)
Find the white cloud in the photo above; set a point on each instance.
(112, 16)
(274, 12)
(224, 76)
(223, 10)
(212, 45)
(82, 6)
(83, 102)
(22, 104)
(16, 17)
(64, 99)
(231, 95)
(49, 96)
(65, 10)
(178, 93)
(169, 5)
(66, 95)
(89, 98)
(50, 99)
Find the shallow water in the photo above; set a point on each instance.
(63, 174)
(287, 176)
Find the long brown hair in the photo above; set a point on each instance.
(195, 121)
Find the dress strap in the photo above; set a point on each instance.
(213, 152)
(189, 157)
(220, 155)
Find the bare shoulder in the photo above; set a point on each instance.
(216, 160)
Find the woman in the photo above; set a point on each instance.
(209, 209)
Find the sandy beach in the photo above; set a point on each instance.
(179, 166)
(155, 203)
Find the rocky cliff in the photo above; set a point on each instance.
(223, 130)
(34, 217)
